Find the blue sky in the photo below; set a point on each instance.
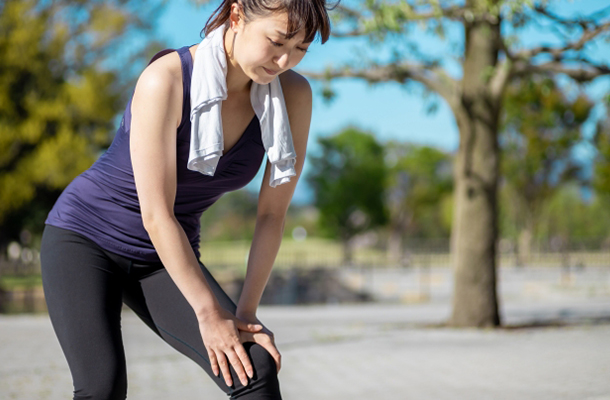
(388, 110)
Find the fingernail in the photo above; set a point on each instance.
(250, 374)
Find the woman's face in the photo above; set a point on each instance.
(261, 49)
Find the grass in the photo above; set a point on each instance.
(13, 282)
(234, 254)
(315, 252)
(230, 258)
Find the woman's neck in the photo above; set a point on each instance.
(237, 81)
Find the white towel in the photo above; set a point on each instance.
(209, 89)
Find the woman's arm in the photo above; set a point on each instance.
(155, 116)
(156, 110)
(273, 202)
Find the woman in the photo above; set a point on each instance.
(127, 229)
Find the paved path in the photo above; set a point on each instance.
(371, 351)
(408, 285)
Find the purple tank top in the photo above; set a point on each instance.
(102, 202)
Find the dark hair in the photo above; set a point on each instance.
(309, 14)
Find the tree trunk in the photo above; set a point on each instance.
(524, 247)
(347, 250)
(475, 227)
(398, 227)
(526, 236)
(394, 251)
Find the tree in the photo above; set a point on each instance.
(601, 177)
(232, 217)
(568, 217)
(541, 128)
(419, 179)
(491, 57)
(59, 95)
(348, 179)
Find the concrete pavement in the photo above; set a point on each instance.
(371, 351)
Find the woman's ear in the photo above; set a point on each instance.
(235, 16)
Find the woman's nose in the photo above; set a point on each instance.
(284, 60)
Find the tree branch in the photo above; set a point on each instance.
(353, 33)
(556, 52)
(348, 11)
(500, 78)
(435, 78)
(520, 62)
(406, 13)
(570, 22)
(578, 74)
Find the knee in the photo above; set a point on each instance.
(103, 387)
(264, 384)
(264, 363)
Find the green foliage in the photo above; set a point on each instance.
(232, 217)
(420, 182)
(540, 128)
(348, 178)
(57, 102)
(12, 282)
(378, 18)
(568, 216)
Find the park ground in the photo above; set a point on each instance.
(556, 348)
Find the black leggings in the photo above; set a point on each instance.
(85, 287)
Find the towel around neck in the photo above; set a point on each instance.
(209, 89)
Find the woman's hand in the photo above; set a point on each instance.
(220, 331)
(264, 337)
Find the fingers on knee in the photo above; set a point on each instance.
(264, 384)
(262, 361)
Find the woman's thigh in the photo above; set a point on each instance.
(82, 289)
(159, 302)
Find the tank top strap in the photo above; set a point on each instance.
(187, 66)
(186, 62)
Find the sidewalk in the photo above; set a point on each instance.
(372, 351)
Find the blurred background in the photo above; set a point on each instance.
(457, 175)
(457, 151)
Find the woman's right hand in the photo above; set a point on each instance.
(220, 333)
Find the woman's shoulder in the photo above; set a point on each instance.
(165, 70)
(293, 81)
(296, 88)
(161, 83)
(298, 98)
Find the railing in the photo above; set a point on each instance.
(20, 283)
(310, 269)
(315, 253)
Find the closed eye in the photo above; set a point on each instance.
(276, 44)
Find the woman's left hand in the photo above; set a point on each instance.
(264, 337)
